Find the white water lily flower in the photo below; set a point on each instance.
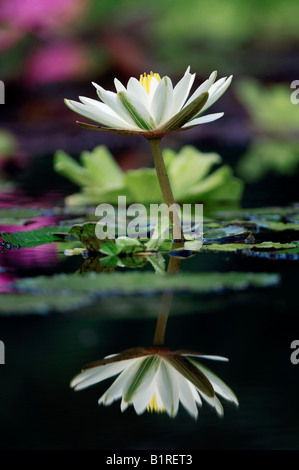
(157, 379)
(152, 106)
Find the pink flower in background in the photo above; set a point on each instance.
(12, 261)
(45, 14)
(56, 62)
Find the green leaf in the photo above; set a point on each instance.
(189, 173)
(21, 213)
(189, 167)
(144, 283)
(32, 238)
(270, 156)
(68, 167)
(275, 111)
(87, 235)
(98, 168)
(42, 304)
(128, 245)
(246, 246)
(110, 249)
(224, 232)
(143, 186)
(102, 165)
(160, 233)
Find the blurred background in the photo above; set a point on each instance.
(51, 50)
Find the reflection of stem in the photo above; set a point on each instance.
(173, 267)
(166, 190)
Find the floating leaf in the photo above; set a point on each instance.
(86, 233)
(224, 233)
(144, 283)
(29, 304)
(34, 237)
(23, 212)
(245, 246)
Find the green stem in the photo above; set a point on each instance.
(173, 267)
(166, 190)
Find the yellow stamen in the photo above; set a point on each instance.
(146, 79)
(153, 406)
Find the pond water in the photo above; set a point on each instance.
(253, 327)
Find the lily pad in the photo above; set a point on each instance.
(87, 235)
(246, 246)
(32, 238)
(101, 285)
(41, 304)
(224, 233)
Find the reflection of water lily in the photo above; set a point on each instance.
(157, 379)
(152, 106)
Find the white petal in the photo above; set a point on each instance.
(141, 400)
(195, 394)
(118, 85)
(215, 87)
(219, 386)
(217, 94)
(101, 106)
(187, 397)
(141, 117)
(181, 91)
(160, 403)
(111, 355)
(168, 387)
(134, 371)
(202, 88)
(135, 88)
(115, 390)
(111, 100)
(203, 120)
(153, 87)
(124, 405)
(162, 102)
(215, 403)
(205, 356)
(97, 114)
(98, 374)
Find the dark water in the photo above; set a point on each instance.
(254, 329)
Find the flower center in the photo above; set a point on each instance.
(153, 406)
(146, 79)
